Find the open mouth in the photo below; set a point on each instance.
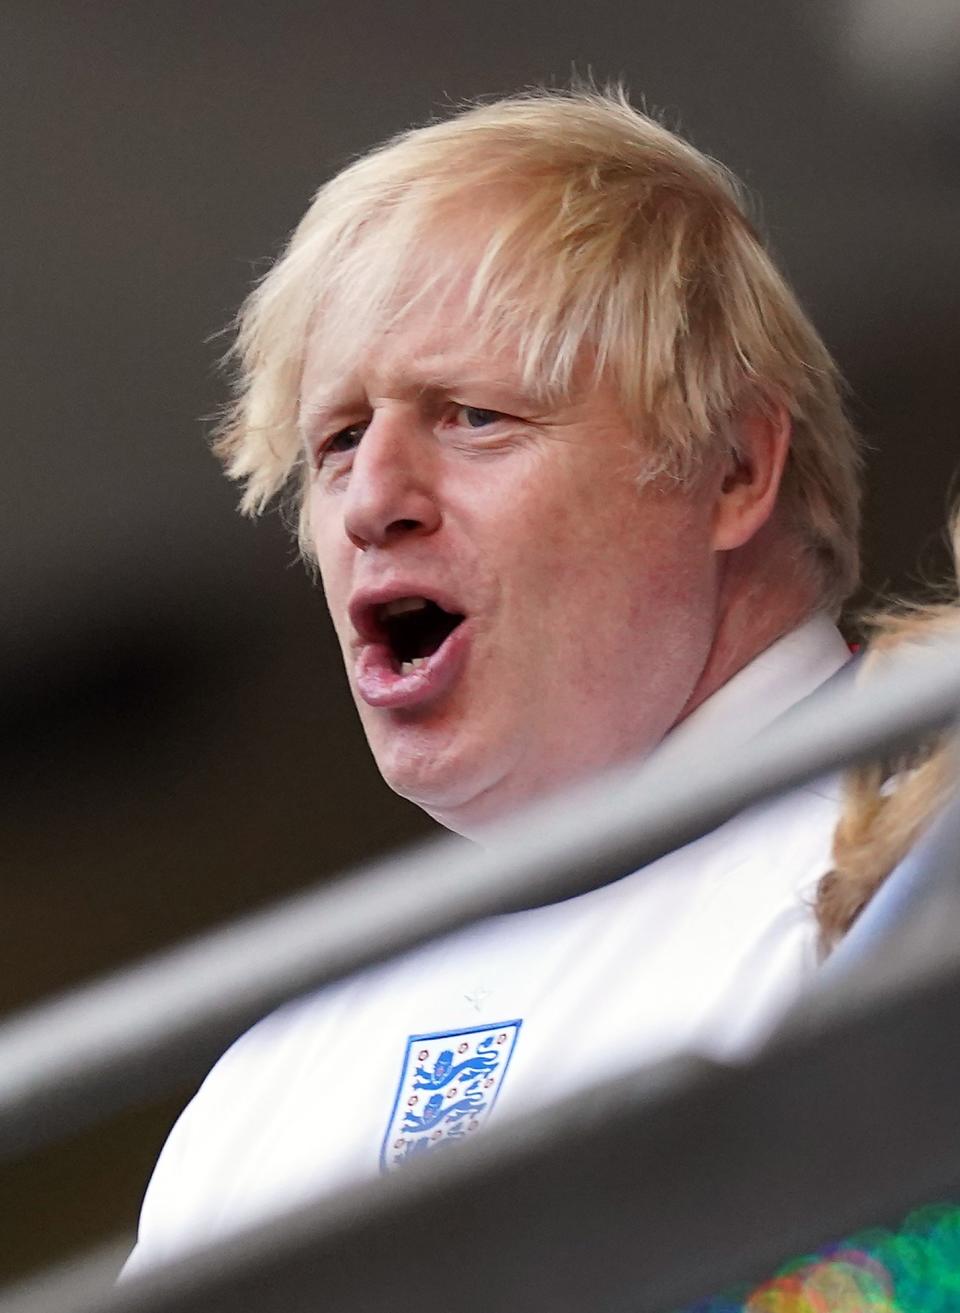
(414, 628)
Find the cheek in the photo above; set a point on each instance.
(642, 583)
(333, 555)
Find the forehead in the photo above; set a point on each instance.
(455, 303)
(419, 343)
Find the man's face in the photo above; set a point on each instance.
(569, 611)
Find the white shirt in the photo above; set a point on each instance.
(698, 951)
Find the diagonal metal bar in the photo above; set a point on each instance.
(143, 1030)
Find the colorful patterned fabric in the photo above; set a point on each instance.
(915, 1269)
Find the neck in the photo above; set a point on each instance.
(765, 591)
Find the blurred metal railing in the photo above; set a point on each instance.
(147, 1028)
(638, 1196)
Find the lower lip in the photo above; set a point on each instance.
(380, 684)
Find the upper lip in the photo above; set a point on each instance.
(365, 603)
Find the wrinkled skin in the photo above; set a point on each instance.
(599, 610)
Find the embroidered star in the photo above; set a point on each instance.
(476, 999)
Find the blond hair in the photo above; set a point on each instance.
(604, 231)
(888, 804)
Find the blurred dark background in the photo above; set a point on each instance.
(178, 741)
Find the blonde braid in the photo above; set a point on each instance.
(887, 804)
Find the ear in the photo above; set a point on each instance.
(750, 477)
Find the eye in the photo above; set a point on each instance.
(345, 440)
(477, 417)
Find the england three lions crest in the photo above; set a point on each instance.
(448, 1085)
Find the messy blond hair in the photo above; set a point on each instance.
(606, 233)
(888, 803)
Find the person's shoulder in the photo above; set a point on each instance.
(786, 841)
(179, 1210)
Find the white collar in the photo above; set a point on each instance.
(782, 675)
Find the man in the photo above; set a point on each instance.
(575, 472)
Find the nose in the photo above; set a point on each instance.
(392, 489)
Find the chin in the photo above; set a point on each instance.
(460, 794)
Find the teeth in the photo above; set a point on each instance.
(408, 667)
(402, 606)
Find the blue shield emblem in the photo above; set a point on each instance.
(449, 1083)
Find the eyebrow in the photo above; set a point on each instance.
(420, 379)
(441, 374)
